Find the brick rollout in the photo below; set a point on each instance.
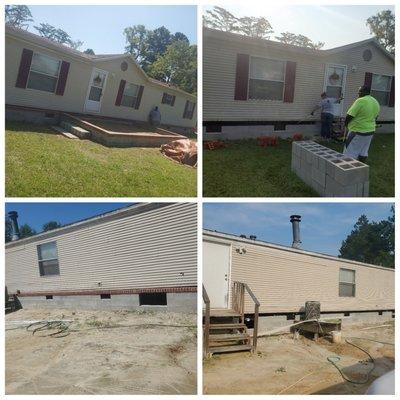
(329, 173)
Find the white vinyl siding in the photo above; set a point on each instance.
(48, 259)
(347, 282)
(150, 249)
(266, 79)
(44, 73)
(129, 97)
(380, 88)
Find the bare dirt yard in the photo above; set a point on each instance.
(105, 352)
(283, 365)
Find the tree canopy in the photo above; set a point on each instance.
(371, 242)
(57, 35)
(382, 25)
(256, 27)
(18, 16)
(163, 55)
(48, 226)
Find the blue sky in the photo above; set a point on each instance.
(323, 226)
(37, 214)
(334, 25)
(101, 27)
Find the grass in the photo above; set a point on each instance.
(40, 163)
(244, 169)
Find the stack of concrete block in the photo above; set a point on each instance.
(329, 173)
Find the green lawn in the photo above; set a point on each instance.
(244, 169)
(40, 163)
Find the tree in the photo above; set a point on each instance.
(371, 242)
(177, 66)
(299, 40)
(18, 16)
(382, 25)
(48, 226)
(57, 35)
(220, 19)
(8, 231)
(26, 231)
(136, 39)
(89, 51)
(257, 27)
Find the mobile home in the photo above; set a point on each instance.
(44, 78)
(140, 256)
(284, 278)
(254, 87)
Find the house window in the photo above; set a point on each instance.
(380, 88)
(347, 282)
(189, 110)
(267, 79)
(129, 97)
(168, 99)
(44, 72)
(48, 259)
(153, 299)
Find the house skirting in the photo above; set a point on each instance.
(236, 130)
(178, 299)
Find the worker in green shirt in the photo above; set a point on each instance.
(361, 124)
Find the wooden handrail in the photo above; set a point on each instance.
(206, 332)
(238, 305)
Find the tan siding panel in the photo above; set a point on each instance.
(140, 251)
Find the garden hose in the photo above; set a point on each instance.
(335, 359)
(61, 327)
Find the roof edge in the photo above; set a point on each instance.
(230, 236)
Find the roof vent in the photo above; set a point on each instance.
(295, 220)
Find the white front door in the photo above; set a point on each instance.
(95, 91)
(216, 266)
(335, 83)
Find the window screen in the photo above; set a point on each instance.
(48, 259)
(44, 73)
(347, 283)
(380, 88)
(153, 299)
(129, 97)
(267, 79)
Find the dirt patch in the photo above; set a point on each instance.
(104, 353)
(283, 365)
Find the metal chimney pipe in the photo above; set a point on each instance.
(295, 220)
(15, 235)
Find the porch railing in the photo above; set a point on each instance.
(238, 294)
(206, 331)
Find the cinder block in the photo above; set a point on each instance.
(346, 174)
(366, 189)
(318, 176)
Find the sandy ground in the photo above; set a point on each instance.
(99, 358)
(283, 365)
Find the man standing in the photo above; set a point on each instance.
(361, 124)
(327, 113)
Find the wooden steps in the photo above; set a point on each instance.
(230, 349)
(227, 326)
(64, 132)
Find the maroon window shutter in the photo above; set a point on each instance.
(174, 97)
(163, 98)
(368, 79)
(191, 114)
(290, 81)
(120, 92)
(242, 76)
(139, 97)
(391, 96)
(186, 109)
(62, 79)
(24, 68)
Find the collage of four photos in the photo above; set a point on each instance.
(199, 199)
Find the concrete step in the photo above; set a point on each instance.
(75, 129)
(64, 132)
(230, 349)
(227, 337)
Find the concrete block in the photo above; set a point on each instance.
(366, 189)
(318, 176)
